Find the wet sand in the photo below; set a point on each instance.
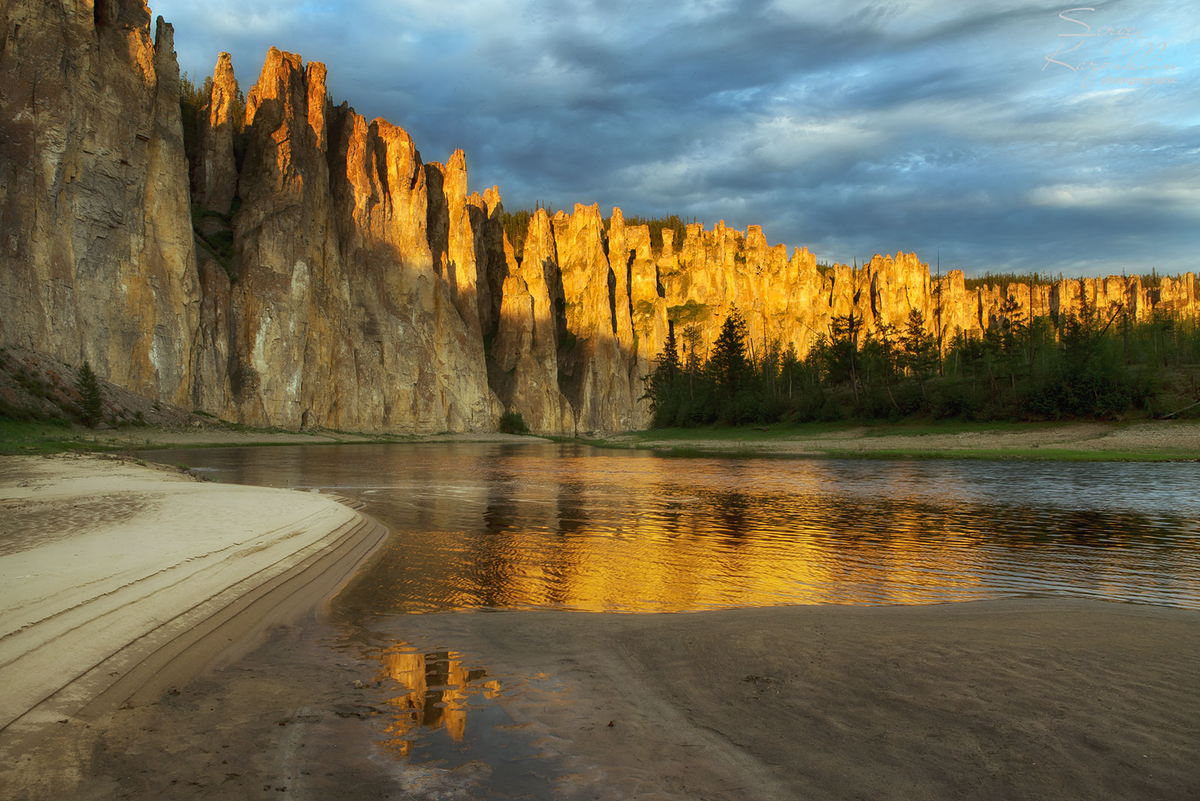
(120, 580)
(996, 700)
(1024, 698)
(1005, 699)
(1000, 699)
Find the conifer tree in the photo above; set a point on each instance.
(729, 365)
(91, 396)
(664, 385)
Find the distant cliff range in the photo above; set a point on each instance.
(291, 263)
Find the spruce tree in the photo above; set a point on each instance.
(729, 365)
(91, 396)
(663, 388)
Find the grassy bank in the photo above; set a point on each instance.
(19, 437)
(1080, 441)
(23, 437)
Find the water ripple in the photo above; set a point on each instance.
(567, 526)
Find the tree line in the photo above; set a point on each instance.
(1098, 364)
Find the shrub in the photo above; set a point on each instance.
(513, 423)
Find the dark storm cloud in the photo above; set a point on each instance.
(921, 126)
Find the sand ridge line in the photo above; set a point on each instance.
(115, 596)
(93, 612)
(234, 621)
(230, 551)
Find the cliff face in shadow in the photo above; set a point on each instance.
(96, 261)
(308, 268)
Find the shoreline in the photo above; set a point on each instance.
(1158, 440)
(1148, 440)
(39, 439)
(120, 580)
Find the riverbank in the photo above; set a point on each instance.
(1015, 699)
(120, 580)
(22, 438)
(1153, 440)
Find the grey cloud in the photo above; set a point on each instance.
(874, 132)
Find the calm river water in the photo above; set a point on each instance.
(567, 526)
(479, 526)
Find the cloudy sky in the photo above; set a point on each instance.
(1008, 136)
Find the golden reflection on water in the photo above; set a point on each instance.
(568, 526)
(562, 526)
(435, 690)
(668, 535)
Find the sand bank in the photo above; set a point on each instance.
(1017, 699)
(994, 700)
(119, 580)
(1158, 439)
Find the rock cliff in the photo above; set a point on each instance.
(96, 261)
(339, 313)
(310, 269)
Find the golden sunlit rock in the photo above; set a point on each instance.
(353, 285)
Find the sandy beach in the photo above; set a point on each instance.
(1021, 698)
(119, 580)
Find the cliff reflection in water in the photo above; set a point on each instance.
(436, 688)
(568, 526)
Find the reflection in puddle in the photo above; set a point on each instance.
(437, 688)
(446, 720)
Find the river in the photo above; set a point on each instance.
(573, 527)
(494, 526)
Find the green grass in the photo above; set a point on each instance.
(1021, 454)
(744, 441)
(19, 437)
(780, 431)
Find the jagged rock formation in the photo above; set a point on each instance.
(96, 261)
(216, 167)
(525, 350)
(332, 278)
(792, 301)
(598, 369)
(336, 315)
